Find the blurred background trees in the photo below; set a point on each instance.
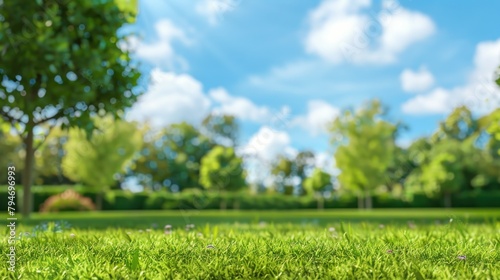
(98, 161)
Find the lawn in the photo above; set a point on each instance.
(341, 244)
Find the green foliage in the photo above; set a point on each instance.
(61, 63)
(366, 146)
(222, 129)
(109, 152)
(10, 151)
(221, 170)
(49, 156)
(443, 173)
(285, 170)
(69, 200)
(494, 130)
(75, 65)
(171, 157)
(318, 181)
(459, 125)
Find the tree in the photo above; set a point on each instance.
(222, 170)
(97, 161)
(283, 172)
(365, 145)
(459, 125)
(288, 172)
(158, 166)
(188, 146)
(222, 129)
(317, 183)
(442, 175)
(60, 62)
(303, 163)
(48, 158)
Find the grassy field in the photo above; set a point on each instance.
(345, 244)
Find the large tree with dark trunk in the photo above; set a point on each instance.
(60, 64)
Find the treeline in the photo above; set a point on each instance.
(462, 156)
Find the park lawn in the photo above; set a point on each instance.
(144, 219)
(339, 244)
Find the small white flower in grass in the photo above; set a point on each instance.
(128, 232)
(451, 220)
(381, 226)
(140, 231)
(331, 229)
(72, 235)
(199, 234)
(462, 257)
(210, 246)
(148, 230)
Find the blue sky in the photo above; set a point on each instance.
(304, 61)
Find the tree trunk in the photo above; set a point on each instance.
(368, 200)
(447, 200)
(27, 179)
(99, 200)
(223, 205)
(361, 201)
(321, 203)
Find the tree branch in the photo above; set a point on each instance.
(45, 138)
(11, 120)
(59, 114)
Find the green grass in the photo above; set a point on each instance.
(289, 245)
(144, 219)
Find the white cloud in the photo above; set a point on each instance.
(343, 31)
(213, 10)
(480, 93)
(268, 143)
(160, 53)
(416, 81)
(319, 114)
(171, 98)
(260, 151)
(239, 107)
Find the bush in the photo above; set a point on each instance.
(69, 200)
(206, 200)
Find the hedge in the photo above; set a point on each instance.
(125, 200)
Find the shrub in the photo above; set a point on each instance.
(69, 200)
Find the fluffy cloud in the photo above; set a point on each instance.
(319, 114)
(343, 31)
(262, 148)
(239, 107)
(171, 98)
(160, 53)
(213, 10)
(480, 93)
(416, 81)
(267, 143)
